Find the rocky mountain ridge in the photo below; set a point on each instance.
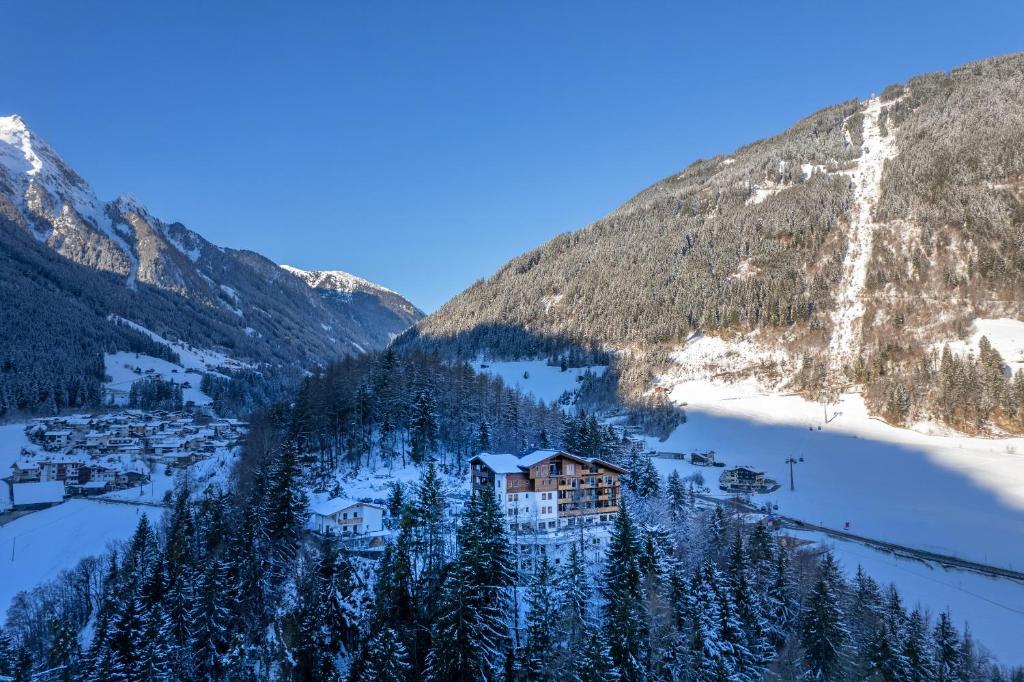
(70, 261)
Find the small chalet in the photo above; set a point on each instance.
(340, 516)
(24, 470)
(744, 479)
(96, 439)
(704, 459)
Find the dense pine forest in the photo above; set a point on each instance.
(230, 586)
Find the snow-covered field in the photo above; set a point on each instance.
(121, 366)
(1005, 335)
(38, 546)
(993, 608)
(544, 381)
(950, 494)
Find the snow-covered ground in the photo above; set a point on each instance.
(993, 608)
(711, 356)
(121, 367)
(214, 470)
(1006, 336)
(192, 357)
(544, 381)
(949, 494)
(38, 546)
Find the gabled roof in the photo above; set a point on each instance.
(511, 464)
(338, 504)
(499, 463)
(538, 456)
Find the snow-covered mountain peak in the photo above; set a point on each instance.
(335, 280)
(16, 153)
(338, 284)
(129, 203)
(30, 164)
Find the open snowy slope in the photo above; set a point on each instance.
(545, 382)
(1005, 335)
(949, 494)
(125, 368)
(38, 546)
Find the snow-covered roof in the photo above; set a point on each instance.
(338, 504)
(63, 432)
(746, 467)
(511, 464)
(539, 456)
(38, 493)
(499, 463)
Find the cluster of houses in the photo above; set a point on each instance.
(82, 455)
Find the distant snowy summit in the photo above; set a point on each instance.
(70, 260)
(338, 282)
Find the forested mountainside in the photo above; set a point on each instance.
(844, 251)
(71, 261)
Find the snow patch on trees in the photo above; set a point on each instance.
(718, 359)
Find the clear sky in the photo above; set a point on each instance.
(423, 144)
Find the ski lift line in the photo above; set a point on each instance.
(895, 564)
(27, 532)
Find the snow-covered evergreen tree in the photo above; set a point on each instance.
(625, 616)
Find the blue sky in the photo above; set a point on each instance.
(421, 145)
